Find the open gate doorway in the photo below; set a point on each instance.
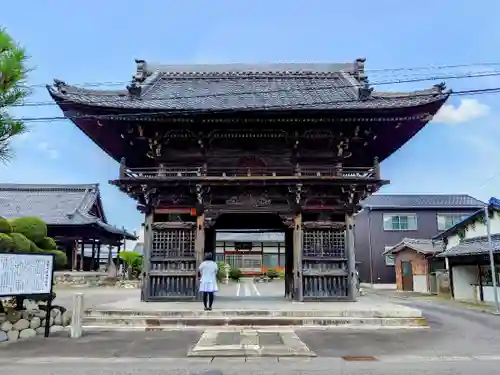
(260, 246)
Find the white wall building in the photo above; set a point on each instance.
(252, 252)
(466, 252)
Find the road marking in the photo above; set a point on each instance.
(238, 287)
(255, 289)
(248, 292)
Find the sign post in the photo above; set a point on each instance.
(28, 274)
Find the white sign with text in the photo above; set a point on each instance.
(22, 274)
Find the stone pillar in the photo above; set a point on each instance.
(77, 316)
(146, 259)
(297, 258)
(351, 257)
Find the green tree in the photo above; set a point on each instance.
(13, 90)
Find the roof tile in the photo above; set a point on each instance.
(251, 87)
(383, 201)
(473, 246)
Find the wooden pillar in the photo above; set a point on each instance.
(199, 245)
(110, 252)
(118, 256)
(98, 256)
(82, 254)
(351, 257)
(289, 263)
(92, 260)
(297, 258)
(146, 259)
(74, 257)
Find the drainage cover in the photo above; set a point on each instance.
(354, 358)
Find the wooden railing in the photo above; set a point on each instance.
(232, 172)
(164, 172)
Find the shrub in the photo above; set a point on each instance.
(5, 226)
(32, 228)
(235, 274)
(272, 274)
(133, 260)
(60, 258)
(47, 243)
(21, 243)
(221, 272)
(6, 243)
(282, 273)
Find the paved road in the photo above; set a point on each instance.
(459, 342)
(261, 366)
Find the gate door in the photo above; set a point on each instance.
(407, 276)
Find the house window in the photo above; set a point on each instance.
(400, 222)
(446, 221)
(270, 260)
(390, 259)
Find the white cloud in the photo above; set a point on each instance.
(46, 148)
(467, 110)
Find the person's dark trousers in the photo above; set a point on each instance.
(208, 300)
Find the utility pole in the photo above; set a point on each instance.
(492, 258)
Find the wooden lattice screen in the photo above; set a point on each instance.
(324, 264)
(172, 264)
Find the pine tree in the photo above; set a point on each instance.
(13, 90)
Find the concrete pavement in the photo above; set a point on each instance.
(459, 341)
(261, 366)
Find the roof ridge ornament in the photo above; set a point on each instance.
(141, 72)
(440, 87)
(134, 90)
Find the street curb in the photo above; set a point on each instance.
(459, 306)
(189, 361)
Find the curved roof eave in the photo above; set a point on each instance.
(122, 100)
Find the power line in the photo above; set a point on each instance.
(264, 108)
(313, 88)
(382, 70)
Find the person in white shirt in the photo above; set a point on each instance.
(208, 280)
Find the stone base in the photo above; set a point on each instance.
(82, 279)
(250, 343)
(160, 316)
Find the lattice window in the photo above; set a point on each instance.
(324, 243)
(173, 243)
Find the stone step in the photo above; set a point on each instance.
(235, 313)
(159, 323)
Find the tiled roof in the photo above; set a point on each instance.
(386, 201)
(248, 87)
(473, 246)
(54, 204)
(467, 221)
(250, 237)
(139, 248)
(423, 246)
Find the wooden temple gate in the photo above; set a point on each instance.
(307, 151)
(320, 257)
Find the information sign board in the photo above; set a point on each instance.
(26, 274)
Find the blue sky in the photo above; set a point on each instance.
(97, 41)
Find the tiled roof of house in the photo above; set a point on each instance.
(301, 86)
(54, 204)
(416, 201)
(139, 248)
(423, 246)
(250, 237)
(473, 246)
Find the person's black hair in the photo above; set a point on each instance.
(209, 256)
